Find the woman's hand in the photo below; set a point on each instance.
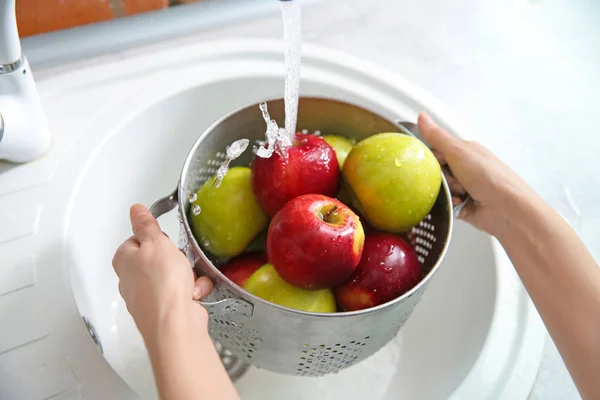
(155, 277)
(471, 168)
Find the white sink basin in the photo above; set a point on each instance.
(122, 132)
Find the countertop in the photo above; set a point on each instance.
(521, 74)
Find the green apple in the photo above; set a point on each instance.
(267, 284)
(393, 179)
(341, 146)
(229, 217)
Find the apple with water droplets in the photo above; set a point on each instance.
(309, 166)
(393, 179)
(268, 285)
(315, 242)
(228, 217)
(388, 268)
(239, 268)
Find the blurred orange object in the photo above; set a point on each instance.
(40, 16)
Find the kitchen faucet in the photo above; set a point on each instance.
(24, 133)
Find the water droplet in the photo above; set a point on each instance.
(193, 197)
(237, 148)
(398, 162)
(196, 210)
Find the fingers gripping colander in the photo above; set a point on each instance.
(274, 337)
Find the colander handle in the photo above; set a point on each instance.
(412, 129)
(221, 307)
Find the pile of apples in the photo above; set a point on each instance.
(317, 226)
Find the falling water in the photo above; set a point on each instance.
(292, 36)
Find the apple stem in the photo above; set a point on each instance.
(326, 216)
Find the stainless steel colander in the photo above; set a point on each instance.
(273, 337)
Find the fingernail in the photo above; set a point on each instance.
(196, 293)
(425, 119)
(203, 284)
(202, 287)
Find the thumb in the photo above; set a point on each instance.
(202, 288)
(144, 225)
(433, 134)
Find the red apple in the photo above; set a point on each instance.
(315, 242)
(310, 166)
(388, 268)
(239, 268)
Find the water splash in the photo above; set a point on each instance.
(234, 150)
(277, 138)
(292, 36)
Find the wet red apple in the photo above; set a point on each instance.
(239, 268)
(315, 242)
(388, 268)
(310, 166)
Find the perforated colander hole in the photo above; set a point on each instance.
(419, 249)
